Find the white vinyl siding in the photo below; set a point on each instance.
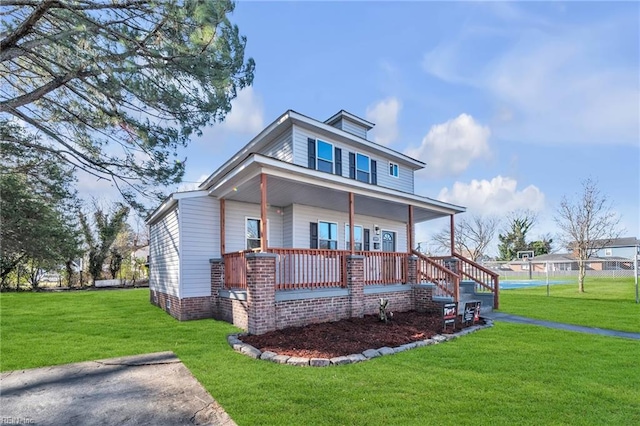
(200, 230)
(281, 148)
(236, 214)
(404, 181)
(164, 254)
(351, 127)
(303, 215)
(287, 227)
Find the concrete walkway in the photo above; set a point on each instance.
(500, 316)
(151, 389)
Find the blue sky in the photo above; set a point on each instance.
(511, 105)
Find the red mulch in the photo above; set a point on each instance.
(349, 336)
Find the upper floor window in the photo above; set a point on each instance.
(608, 252)
(324, 156)
(363, 168)
(393, 170)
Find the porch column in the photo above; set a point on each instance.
(355, 284)
(351, 220)
(261, 292)
(263, 213)
(453, 241)
(410, 243)
(222, 226)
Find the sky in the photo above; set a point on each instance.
(510, 105)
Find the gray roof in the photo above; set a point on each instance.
(617, 242)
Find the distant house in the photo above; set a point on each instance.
(626, 248)
(309, 222)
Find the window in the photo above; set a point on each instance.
(357, 237)
(608, 252)
(253, 233)
(324, 156)
(327, 235)
(362, 168)
(393, 169)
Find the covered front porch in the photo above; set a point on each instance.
(285, 275)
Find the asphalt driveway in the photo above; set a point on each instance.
(150, 389)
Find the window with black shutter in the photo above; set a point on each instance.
(352, 165)
(311, 151)
(374, 172)
(367, 233)
(313, 232)
(338, 161)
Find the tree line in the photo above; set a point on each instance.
(105, 89)
(586, 223)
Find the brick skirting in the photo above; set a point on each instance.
(190, 308)
(232, 311)
(297, 313)
(399, 301)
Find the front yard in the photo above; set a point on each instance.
(509, 374)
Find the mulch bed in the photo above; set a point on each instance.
(349, 336)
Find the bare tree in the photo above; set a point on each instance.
(472, 237)
(587, 224)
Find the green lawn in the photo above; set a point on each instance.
(606, 303)
(509, 374)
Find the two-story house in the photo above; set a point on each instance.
(309, 222)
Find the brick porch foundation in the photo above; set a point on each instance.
(260, 309)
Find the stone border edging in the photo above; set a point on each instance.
(255, 353)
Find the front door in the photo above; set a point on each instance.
(388, 241)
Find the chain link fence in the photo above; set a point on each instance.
(534, 269)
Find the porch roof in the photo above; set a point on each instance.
(292, 184)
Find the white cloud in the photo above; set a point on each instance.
(247, 114)
(384, 115)
(495, 197)
(450, 147)
(560, 83)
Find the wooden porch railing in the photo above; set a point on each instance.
(310, 268)
(484, 279)
(382, 268)
(314, 268)
(235, 270)
(432, 271)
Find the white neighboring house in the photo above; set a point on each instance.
(297, 194)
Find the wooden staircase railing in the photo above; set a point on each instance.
(447, 282)
(485, 279)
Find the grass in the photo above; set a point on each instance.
(509, 374)
(606, 303)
